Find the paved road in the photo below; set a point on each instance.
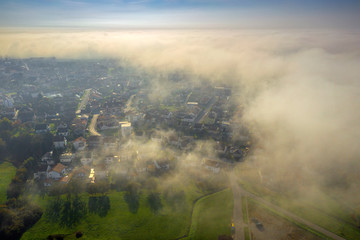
(238, 219)
(128, 107)
(84, 101)
(92, 126)
(238, 191)
(205, 111)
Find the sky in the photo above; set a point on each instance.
(180, 14)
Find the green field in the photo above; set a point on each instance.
(7, 172)
(110, 132)
(120, 223)
(212, 216)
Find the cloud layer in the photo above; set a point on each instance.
(300, 89)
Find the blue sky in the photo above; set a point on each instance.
(180, 14)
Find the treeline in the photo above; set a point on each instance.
(67, 212)
(70, 210)
(21, 147)
(18, 216)
(18, 142)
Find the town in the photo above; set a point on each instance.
(95, 129)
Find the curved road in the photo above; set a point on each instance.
(238, 191)
(92, 126)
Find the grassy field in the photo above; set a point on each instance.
(7, 172)
(244, 209)
(120, 223)
(276, 226)
(330, 214)
(212, 216)
(110, 132)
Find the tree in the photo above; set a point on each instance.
(99, 205)
(78, 209)
(98, 187)
(3, 150)
(154, 202)
(53, 209)
(224, 237)
(66, 214)
(30, 164)
(132, 196)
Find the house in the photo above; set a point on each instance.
(125, 129)
(94, 141)
(87, 159)
(9, 113)
(66, 158)
(156, 137)
(191, 162)
(100, 171)
(198, 127)
(174, 140)
(65, 179)
(26, 114)
(57, 172)
(78, 125)
(111, 158)
(42, 128)
(48, 182)
(79, 143)
(211, 165)
(110, 143)
(48, 158)
(92, 175)
(81, 172)
(162, 164)
(59, 141)
(107, 122)
(62, 125)
(41, 172)
(186, 142)
(63, 132)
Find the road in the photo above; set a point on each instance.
(205, 111)
(238, 191)
(92, 126)
(128, 107)
(84, 101)
(238, 219)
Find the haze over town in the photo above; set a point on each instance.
(164, 119)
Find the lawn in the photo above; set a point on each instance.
(7, 172)
(120, 223)
(110, 132)
(212, 216)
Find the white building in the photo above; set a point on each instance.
(59, 142)
(57, 172)
(125, 129)
(66, 158)
(79, 143)
(212, 165)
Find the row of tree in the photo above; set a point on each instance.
(67, 212)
